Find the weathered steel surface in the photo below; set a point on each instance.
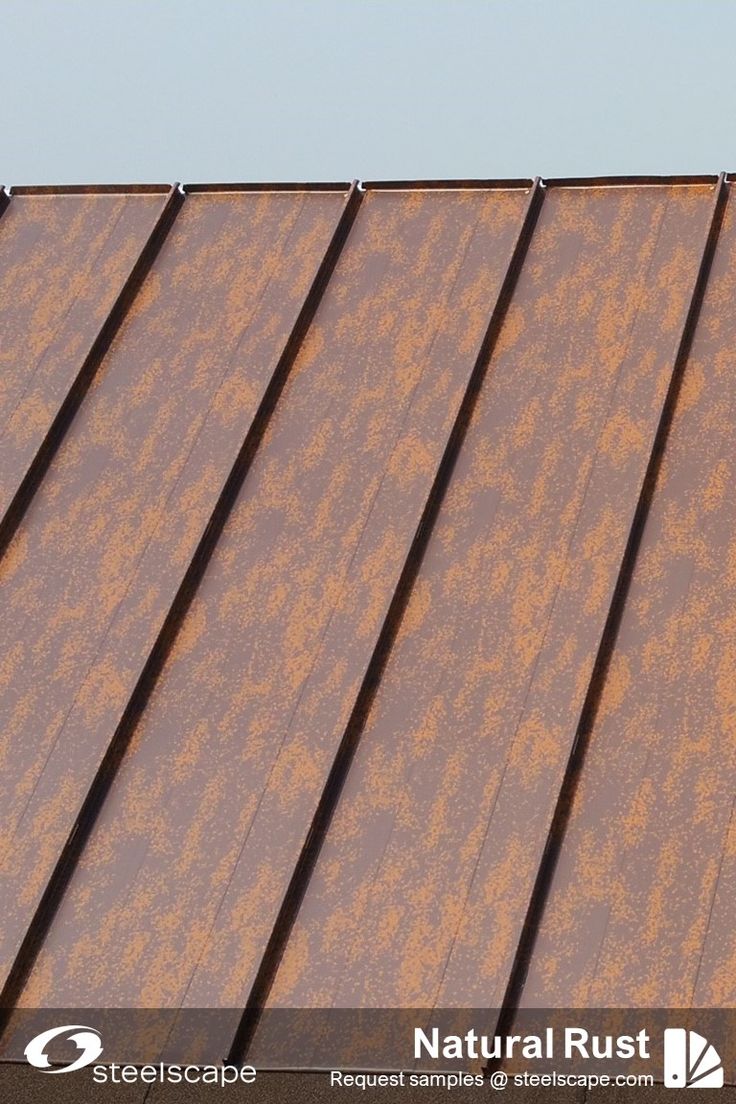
(94, 567)
(425, 874)
(421, 889)
(177, 892)
(64, 259)
(641, 908)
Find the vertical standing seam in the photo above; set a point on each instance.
(75, 395)
(560, 816)
(105, 775)
(348, 745)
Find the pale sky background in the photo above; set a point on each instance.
(225, 90)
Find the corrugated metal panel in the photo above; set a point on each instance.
(641, 907)
(194, 848)
(421, 890)
(95, 567)
(65, 257)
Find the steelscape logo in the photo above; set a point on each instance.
(87, 1040)
(690, 1061)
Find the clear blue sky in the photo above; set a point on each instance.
(133, 90)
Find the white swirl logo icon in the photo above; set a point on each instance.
(87, 1040)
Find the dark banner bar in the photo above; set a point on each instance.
(677, 1047)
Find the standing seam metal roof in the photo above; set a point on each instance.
(365, 596)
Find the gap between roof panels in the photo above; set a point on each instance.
(443, 185)
(90, 189)
(626, 181)
(331, 186)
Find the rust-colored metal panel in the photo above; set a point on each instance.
(90, 577)
(177, 892)
(65, 258)
(641, 907)
(421, 889)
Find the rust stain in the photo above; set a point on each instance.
(188, 864)
(97, 561)
(423, 880)
(425, 873)
(63, 261)
(641, 908)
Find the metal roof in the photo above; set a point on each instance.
(365, 598)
